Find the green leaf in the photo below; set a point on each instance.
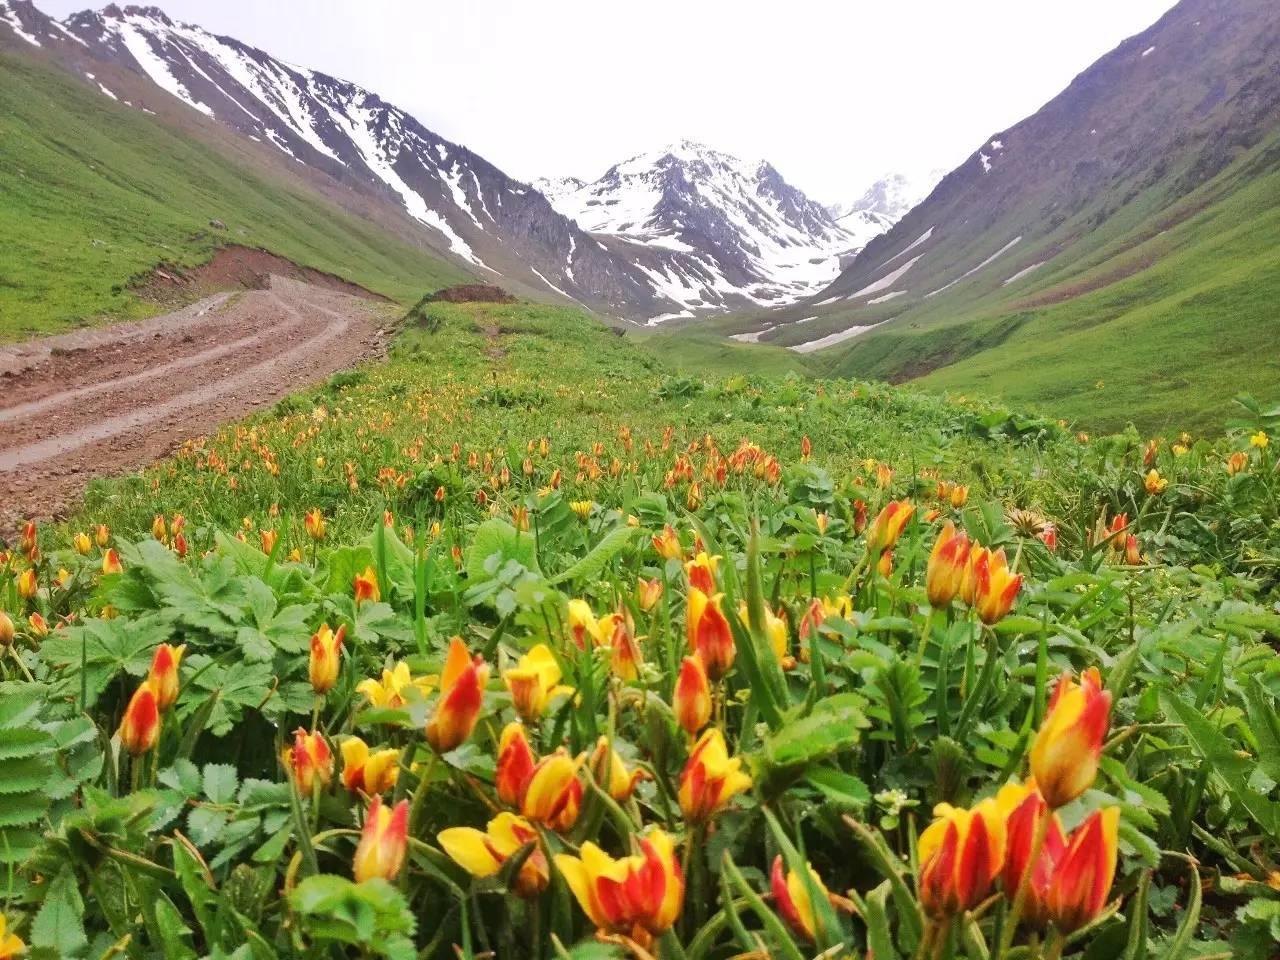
(220, 782)
(60, 923)
(613, 543)
(494, 543)
(845, 790)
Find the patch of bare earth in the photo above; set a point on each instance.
(110, 400)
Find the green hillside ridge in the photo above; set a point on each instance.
(1164, 327)
(95, 192)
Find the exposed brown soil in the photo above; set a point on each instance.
(108, 400)
(234, 267)
(472, 293)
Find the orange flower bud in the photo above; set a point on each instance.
(947, 563)
(7, 631)
(888, 525)
(140, 725)
(269, 539)
(692, 702)
(582, 623)
(617, 632)
(710, 778)
(961, 853)
(1068, 747)
(553, 793)
(709, 633)
(158, 529)
(635, 895)
(310, 760)
(1082, 879)
(383, 842)
(995, 588)
(111, 563)
(82, 544)
(28, 586)
(516, 761)
(959, 496)
(648, 593)
(611, 773)
(461, 693)
(164, 674)
(859, 516)
(791, 894)
(533, 682)
(668, 544)
(366, 772)
(29, 544)
(483, 852)
(366, 587)
(1132, 551)
(314, 524)
(326, 654)
(180, 545)
(103, 535)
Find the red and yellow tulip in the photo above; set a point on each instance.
(640, 895)
(617, 632)
(961, 853)
(611, 772)
(888, 525)
(692, 701)
(164, 674)
(947, 564)
(391, 692)
(791, 894)
(384, 842)
(553, 792)
(709, 634)
(461, 692)
(326, 657)
(648, 593)
(701, 571)
(28, 586)
(668, 545)
(1082, 878)
(309, 760)
(1068, 747)
(533, 681)
(365, 587)
(583, 627)
(516, 761)
(314, 524)
(994, 587)
(710, 779)
(483, 852)
(368, 772)
(111, 562)
(140, 725)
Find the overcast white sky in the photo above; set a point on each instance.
(834, 94)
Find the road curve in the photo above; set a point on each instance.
(113, 399)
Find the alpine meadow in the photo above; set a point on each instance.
(405, 558)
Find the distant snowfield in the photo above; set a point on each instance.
(987, 262)
(832, 339)
(887, 280)
(1023, 272)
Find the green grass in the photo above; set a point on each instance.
(1165, 347)
(93, 192)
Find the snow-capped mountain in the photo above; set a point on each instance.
(724, 231)
(885, 202)
(464, 205)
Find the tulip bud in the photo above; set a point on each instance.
(314, 524)
(692, 702)
(1082, 879)
(164, 674)
(648, 593)
(7, 631)
(995, 588)
(668, 544)
(28, 586)
(959, 496)
(30, 539)
(310, 760)
(111, 563)
(709, 634)
(38, 625)
(1026, 808)
(610, 772)
(1068, 747)
(1132, 551)
(326, 653)
(582, 623)
(82, 544)
(103, 536)
(617, 632)
(515, 765)
(462, 685)
(947, 564)
(533, 681)
(384, 842)
(180, 545)
(888, 526)
(140, 725)
(553, 794)
(158, 529)
(791, 894)
(701, 571)
(961, 853)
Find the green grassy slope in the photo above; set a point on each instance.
(1164, 328)
(93, 192)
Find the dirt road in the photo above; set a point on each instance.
(112, 399)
